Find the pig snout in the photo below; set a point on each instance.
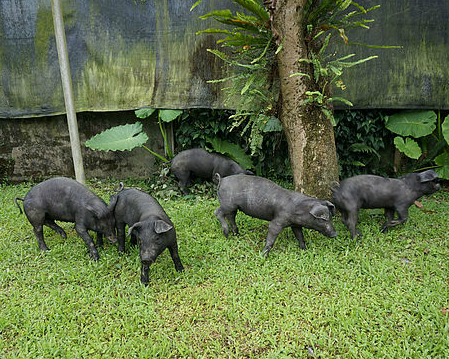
(147, 257)
(329, 231)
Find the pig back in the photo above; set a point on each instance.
(204, 164)
(369, 191)
(61, 199)
(196, 160)
(134, 205)
(225, 166)
(255, 196)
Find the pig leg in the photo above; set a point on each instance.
(352, 223)
(402, 217)
(175, 256)
(344, 218)
(121, 236)
(299, 236)
(82, 232)
(144, 273)
(221, 217)
(99, 239)
(133, 240)
(349, 219)
(231, 219)
(37, 220)
(273, 231)
(50, 223)
(39, 232)
(184, 180)
(389, 215)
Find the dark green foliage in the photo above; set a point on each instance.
(197, 125)
(363, 143)
(427, 146)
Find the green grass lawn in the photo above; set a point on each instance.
(384, 297)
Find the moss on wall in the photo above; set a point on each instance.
(415, 76)
(133, 54)
(44, 33)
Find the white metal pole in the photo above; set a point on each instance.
(61, 45)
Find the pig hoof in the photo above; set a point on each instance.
(95, 256)
(265, 252)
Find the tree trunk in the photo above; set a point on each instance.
(309, 132)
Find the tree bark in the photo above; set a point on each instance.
(309, 132)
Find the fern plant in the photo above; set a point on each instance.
(250, 50)
(327, 21)
(254, 84)
(362, 141)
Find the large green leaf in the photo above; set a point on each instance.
(144, 112)
(410, 148)
(415, 123)
(169, 115)
(445, 129)
(119, 138)
(231, 150)
(443, 161)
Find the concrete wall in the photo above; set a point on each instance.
(31, 149)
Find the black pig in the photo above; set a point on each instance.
(64, 199)
(200, 163)
(392, 194)
(261, 198)
(148, 222)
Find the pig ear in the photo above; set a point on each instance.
(97, 212)
(112, 202)
(161, 227)
(331, 207)
(427, 176)
(320, 212)
(135, 226)
(248, 172)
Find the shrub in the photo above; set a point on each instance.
(363, 143)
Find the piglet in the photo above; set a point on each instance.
(261, 198)
(392, 194)
(200, 163)
(147, 222)
(64, 199)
